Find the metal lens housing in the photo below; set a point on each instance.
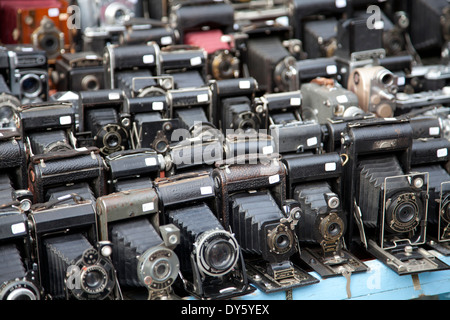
(19, 290)
(94, 279)
(280, 239)
(403, 213)
(31, 85)
(158, 268)
(331, 227)
(217, 252)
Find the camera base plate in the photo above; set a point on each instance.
(258, 276)
(441, 247)
(345, 262)
(397, 261)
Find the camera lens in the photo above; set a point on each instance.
(89, 83)
(162, 270)
(49, 43)
(93, 279)
(31, 85)
(217, 252)
(282, 241)
(219, 255)
(112, 140)
(405, 213)
(158, 267)
(25, 291)
(334, 229)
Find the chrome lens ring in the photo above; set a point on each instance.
(217, 252)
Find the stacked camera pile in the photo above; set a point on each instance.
(213, 148)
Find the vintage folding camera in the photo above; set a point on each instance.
(72, 262)
(271, 64)
(388, 200)
(48, 127)
(42, 24)
(209, 25)
(53, 157)
(104, 122)
(320, 38)
(133, 169)
(251, 201)
(123, 63)
(430, 154)
(211, 262)
(282, 107)
(376, 89)
(81, 71)
(186, 64)
(234, 107)
(142, 248)
(28, 73)
(18, 276)
(314, 181)
(325, 98)
(152, 126)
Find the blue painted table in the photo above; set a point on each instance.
(380, 283)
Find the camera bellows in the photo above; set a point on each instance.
(11, 266)
(49, 141)
(6, 190)
(250, 213)
(318, 203)
(373, 173)
(61, 252)
(215, 250)
(131, 239)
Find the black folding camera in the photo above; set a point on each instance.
(186, 64)
(387, 199)
(251, 201)
(430, 154)
(81, 71)
(133, 169)
(233, 105)
(271, 64)
(104, 122)
(72, 263)
(18, 277)
(53, 157)
(314, 180)
(124, 63)
(142, 248)
(211, 262)
(48, 127)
